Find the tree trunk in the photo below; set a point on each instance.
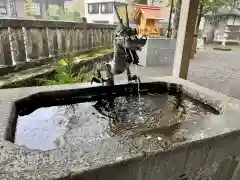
(176, 18)
(170, 21)
(210, 35)
(214, 23)
(199, 18)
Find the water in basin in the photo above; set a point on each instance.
(59, 126)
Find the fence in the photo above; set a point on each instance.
(24, 41)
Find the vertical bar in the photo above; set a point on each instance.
(187, 23)
(61, 41)
(52, 41)
(106, 37)
(89, 35)
(43, 49)
(85, 33)
(112, 34)
(33, 39)
(81, 39)
(101, 36)
(17, 45)
(5, 50)
(75, 38)
(95, 37)
(69, 40)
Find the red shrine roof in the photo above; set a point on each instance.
(149, 12)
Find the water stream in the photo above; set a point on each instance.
(139, 95)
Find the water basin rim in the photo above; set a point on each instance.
(78, 95)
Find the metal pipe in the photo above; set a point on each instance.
(117, 13)
(127, 18)
(170, 20)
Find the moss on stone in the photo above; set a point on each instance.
(29, 79)
(92, 53)
(95, 53)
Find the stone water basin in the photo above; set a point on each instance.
(171, 129)
(148, 115)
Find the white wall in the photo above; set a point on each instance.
(235, 22)
(112, 18)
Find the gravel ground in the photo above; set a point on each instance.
(217, 70)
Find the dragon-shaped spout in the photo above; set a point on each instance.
(126, 44)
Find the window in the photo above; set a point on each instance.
(36, 9)
(93, 8)
(107, 8)
(33, 8)
(3, 7)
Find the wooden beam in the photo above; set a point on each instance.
(188, 16)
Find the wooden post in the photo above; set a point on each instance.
(188, 16)
(84, 20)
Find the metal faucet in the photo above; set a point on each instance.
(126, 44)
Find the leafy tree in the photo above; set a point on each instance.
(27, 6)
(57, 13)
(213, 7)
(177, 8)
(205, 6)
(142, 1)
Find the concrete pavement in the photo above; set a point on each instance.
(217, 70)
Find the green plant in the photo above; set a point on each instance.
(57, 13)
(27, 6)
(65, 75)
(222, 48)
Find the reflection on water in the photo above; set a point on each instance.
(56, 127)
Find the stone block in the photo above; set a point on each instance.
(158, 51)
(209, 143)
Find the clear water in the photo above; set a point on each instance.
(60, 126)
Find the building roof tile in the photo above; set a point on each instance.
(150, 12)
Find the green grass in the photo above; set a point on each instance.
(222, 48)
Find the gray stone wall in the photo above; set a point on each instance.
(158, 52)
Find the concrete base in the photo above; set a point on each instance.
(207, 151)
(158, 51)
